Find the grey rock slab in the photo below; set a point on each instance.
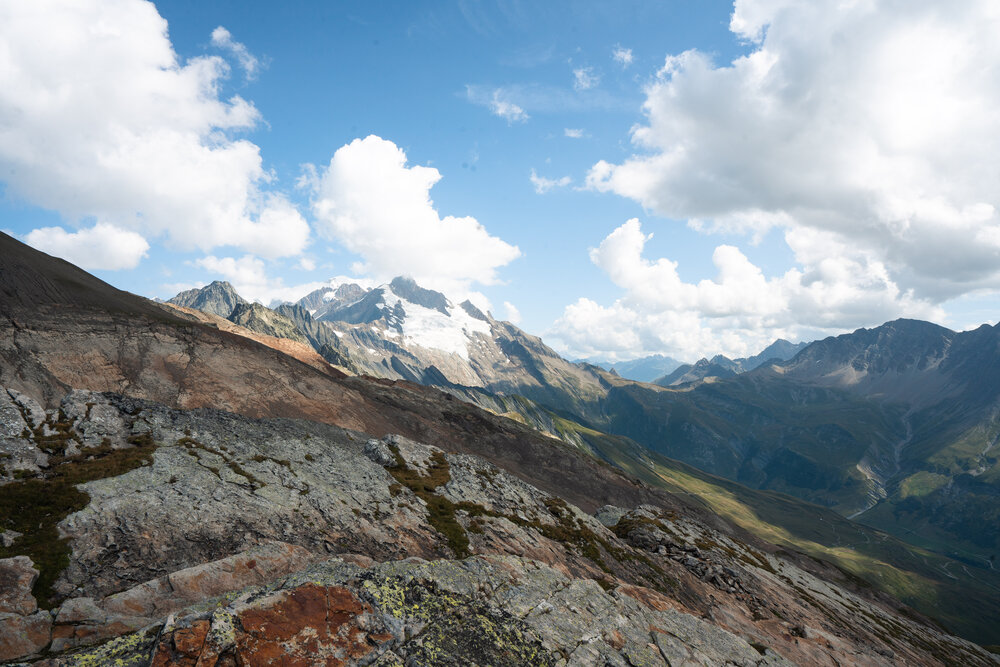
(609, 515)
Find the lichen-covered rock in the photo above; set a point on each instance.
(500, 611)
(609, 515)
(132, 650)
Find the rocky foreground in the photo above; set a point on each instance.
(135, 534)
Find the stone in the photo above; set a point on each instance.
(17, 576)
(159, 597)
(379, 452)
(309, 625)
(8, 537)
(609, 515)
(80, 610)
(22, 636)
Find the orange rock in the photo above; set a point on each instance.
(189, 641)
(307, 626)
(304, 607)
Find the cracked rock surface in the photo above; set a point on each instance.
(302, 543)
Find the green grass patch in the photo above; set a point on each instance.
(922, 483)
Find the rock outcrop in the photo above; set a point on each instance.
(203, 537)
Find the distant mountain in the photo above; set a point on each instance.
(721, 366)
(644, 369)
(403, 331)
(718, 366)
(218, 298)
(897, 426)
(319, 301)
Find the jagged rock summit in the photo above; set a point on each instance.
(218, 298)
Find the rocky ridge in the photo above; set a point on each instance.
(231, 536)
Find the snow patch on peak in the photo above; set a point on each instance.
(450, 331)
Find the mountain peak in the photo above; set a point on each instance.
(408, 289)
(218, 298)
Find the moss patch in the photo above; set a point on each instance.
(35, 506)
(440, 510)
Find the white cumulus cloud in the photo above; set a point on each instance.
(737, 313)
(865, 124)
(573, 133)
(102, 246)
(99, 119)
(376, 206)
(512, 314)
(543, 185)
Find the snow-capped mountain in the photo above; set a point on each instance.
(402, 331)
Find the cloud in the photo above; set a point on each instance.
(247, 270)
(859, 123)
(501, 106)
(573, 133)
(585, 79)
(376, 206)
(543, 185)
(513, 315)
(622, 56)
(737, 313)
(224, 40)
(101, 121)
(101, 247)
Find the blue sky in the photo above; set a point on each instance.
(803, 170)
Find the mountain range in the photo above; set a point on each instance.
(721, 366)
(830, 422)
(894, 426)
(185, 487)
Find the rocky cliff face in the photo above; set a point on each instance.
(205, 537)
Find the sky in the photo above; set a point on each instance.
(621, 178)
